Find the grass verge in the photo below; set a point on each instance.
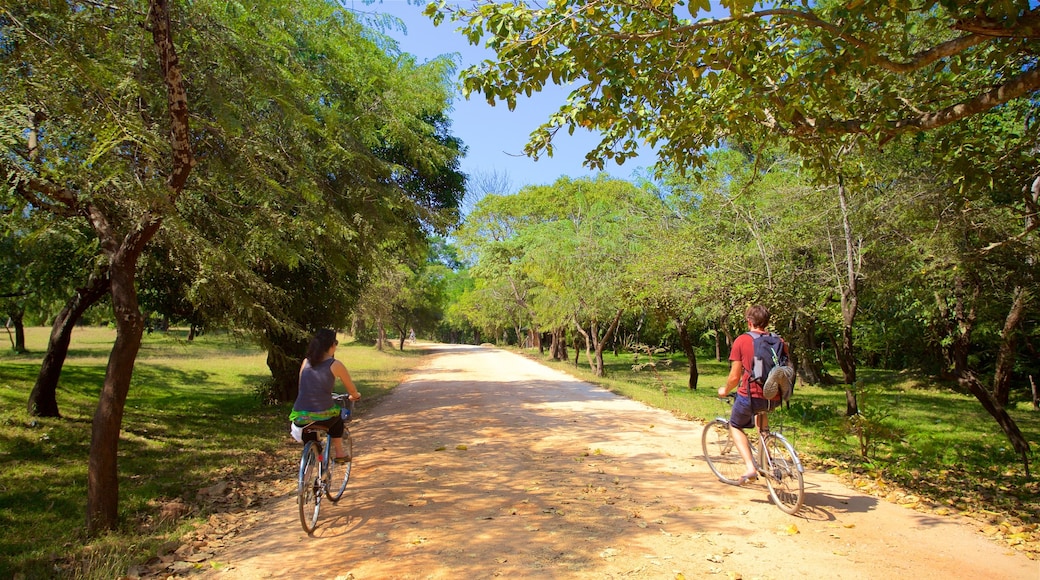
(193, 422)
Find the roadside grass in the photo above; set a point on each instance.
(193, 417)
(916, 442)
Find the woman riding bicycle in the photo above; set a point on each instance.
(750, 398)
(314, 404)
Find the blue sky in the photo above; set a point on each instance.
(496, 136)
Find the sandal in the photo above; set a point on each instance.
(344, 459)
(747, 478)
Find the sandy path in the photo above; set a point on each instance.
(486, 464)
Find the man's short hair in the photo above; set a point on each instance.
(758, 316)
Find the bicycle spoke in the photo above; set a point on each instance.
(721, 452)
(339, 473)
(784, 476)
(309, 487)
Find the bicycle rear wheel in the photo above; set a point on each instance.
(721, 452)
(309, 487)
(339, 473)
(784, 475)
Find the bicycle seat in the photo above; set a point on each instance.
(315, 428)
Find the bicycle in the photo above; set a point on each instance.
(775, 459)
(318, 475)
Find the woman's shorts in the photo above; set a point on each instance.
(744, 409)
(335, 425)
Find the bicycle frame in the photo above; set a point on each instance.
(314, 475)
(313, 487)
(774, 457)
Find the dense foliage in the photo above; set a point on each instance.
(272, 152)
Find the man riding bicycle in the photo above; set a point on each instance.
(750, 397)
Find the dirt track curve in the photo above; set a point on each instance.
(485, 464)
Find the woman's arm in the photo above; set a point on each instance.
(340, 371)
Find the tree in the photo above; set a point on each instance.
(124, 213)
(649, 72)
(555, 256)
(970, 242)
(296, 157)
(301, 196)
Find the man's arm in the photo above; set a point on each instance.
(735, 371)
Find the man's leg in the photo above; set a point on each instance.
(744, 446)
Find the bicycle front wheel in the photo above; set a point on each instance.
(721, 453)
(339, 473)
(309, 487)
(784, 475)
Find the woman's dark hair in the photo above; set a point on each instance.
(320, 344)
(758, 316)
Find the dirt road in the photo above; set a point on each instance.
(486, 464)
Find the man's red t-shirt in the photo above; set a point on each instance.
(744, 351)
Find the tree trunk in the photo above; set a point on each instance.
(102, 473)
(587, 336)
(847, 362)
(380, 335)
(1006, 356)
(849, 301)
(806, 351)
(558, 344)
(689, 351)
(998, 412)
(964, 316)
(16, 315)
(284, 354)
(845, 355)
(727, 334)
(43, 400)
(599, 343)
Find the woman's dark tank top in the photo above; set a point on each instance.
(316, 386)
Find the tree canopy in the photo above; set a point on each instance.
(275, 147)
(653, 73)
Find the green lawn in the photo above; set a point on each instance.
(193, 417)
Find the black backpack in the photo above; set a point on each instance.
(772, 367)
